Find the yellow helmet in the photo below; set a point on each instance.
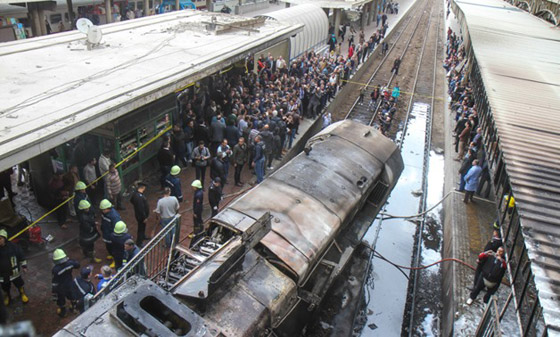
(105, 204)
(120, 227)
(84, 204)
(175, 170)
(3, 233)
(196, 184)
(58, 254)
(80, 185)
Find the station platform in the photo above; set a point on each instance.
(41, 310)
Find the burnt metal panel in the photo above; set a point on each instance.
(517, 55)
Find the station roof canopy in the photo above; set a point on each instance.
(54, 89)
(518, 55)
(336, 4)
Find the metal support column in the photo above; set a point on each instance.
(70, 13)
(108, 15)
(374, 9)
(209, 6)
(177, 5)
(363, 14)
(337, 14)
(42, 24)
(370, 12)
(146, 8)
(35, 20)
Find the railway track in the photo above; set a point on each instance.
(417, 47)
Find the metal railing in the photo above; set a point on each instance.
(489, 325)
(152, 259)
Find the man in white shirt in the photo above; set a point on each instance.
(166, 210)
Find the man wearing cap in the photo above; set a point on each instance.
(83, 290)
(118, 238)
(109, 217)
(62, 279)
(198, 200)
(130, 251)
(141, 211)
(88, 230)
(200, 157)
(166, 209)
(79, 195)
(215, 195)
(174, 183)
(12, 262)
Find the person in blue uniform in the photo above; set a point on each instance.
(12, 263)
(62, 280)
(83, 290)
(118, 238)
(109, 219)
(79, 195)
(197, 206)
(174, 183)
(88, 230)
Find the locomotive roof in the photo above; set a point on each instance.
(54, 89)
(312, 196)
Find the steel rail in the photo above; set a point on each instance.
(428, 139)
(376, 236)
(371, 78)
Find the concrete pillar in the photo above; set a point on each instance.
(287, 5)
(70, 14)
(146, 7)
(337, 14)
(363, 14)
(177, 5)
(368, 9)
(108, 15)
(35, 19)
(375, 10)
(209, 6)
(42, 23)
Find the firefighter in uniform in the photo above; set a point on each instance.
(109, 218)
(79, 195)
(197, 206)
(215, 195)
(172, 181)
(118, 238)
(83, 290)
(88, 230)
(62, 279)
(12, 263)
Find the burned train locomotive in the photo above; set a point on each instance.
(265, 261)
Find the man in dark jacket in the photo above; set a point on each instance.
(268, 139)
(217, 167)
(165, 159)
(83, 290)
(62, 279)
(217, 129)
(493, 269)
(130, 251)
(259, 159)
(12, 263)
(179, 145)
(141, 212)
(215, 195)
(88, 230)
(239, 159)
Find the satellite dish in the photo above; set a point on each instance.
(94, 35)
(83, 25)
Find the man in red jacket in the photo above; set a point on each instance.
(493, 269)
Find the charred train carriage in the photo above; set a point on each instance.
(271, 255)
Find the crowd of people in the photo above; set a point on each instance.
(244, 118)
(473, 171)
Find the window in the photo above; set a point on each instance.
(55, 18)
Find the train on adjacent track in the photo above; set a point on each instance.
(276, 250)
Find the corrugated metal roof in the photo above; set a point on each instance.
(53, 89)
(519, 60)
(315, 31)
